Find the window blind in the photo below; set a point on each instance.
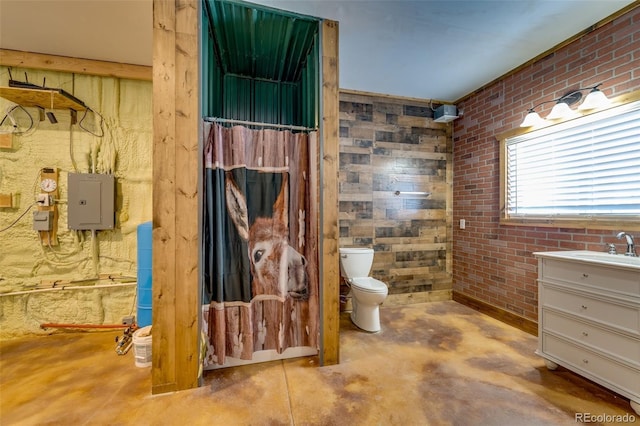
(589, 166)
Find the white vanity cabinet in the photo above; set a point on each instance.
(589, 317)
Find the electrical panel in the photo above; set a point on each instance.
(91, 201)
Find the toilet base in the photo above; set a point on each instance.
(366, 318)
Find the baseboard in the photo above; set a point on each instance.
(397, 299)
(500, 314)
(419, 297)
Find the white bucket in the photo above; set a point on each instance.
(142, 346)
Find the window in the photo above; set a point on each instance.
(585, 169)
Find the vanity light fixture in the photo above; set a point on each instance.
(532, 119)
(560, 110)
(595, 99)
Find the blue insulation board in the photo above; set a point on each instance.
(145, 279)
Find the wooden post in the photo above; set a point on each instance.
(330, 279)
(175, 354)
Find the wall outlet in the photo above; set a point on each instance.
(43, 199)
(463, 223)
(128, 320)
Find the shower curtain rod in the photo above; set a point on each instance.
(255, 123)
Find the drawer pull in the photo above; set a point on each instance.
(584, 307)
(586, 361)
(585, 334)
(585, 275)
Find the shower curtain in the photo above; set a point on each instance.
(260, 253)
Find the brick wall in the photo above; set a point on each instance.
(389, 145)
(494, 262)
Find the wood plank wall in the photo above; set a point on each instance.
(392, 144)
(176, 157)
(329, 263)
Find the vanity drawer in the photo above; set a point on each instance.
(621, 376)
(619, 345)
(626, 317)
(597, 276)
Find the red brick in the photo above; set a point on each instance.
(508, 280)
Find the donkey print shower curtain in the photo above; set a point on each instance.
(260, 252)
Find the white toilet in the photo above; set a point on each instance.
(367, 293)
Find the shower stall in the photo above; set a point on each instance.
(277, 73)
(260, 260)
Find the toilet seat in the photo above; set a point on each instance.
(369, 285)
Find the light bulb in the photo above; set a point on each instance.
(595, 99)
(560, 110)
(532, 119)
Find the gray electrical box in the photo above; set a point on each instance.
(42, 220)
(445, 113)
(91, 201)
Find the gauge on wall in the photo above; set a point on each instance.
(48, 185)
(47, 205)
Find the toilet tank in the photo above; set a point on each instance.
(355, 261)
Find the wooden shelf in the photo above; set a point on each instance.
(43, 98)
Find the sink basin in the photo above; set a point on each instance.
(606, 257)
(595, 256)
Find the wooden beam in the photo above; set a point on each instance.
(176, 308)
(187, 223)
(163, 372)
(392, 98)
(330, 278)
(18, 58)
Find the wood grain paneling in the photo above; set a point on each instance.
(389, 145)
(175, 196)
(330, 279)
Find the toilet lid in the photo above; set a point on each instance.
(369, 284)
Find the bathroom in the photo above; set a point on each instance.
(486, 265)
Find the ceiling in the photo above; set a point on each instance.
(433, 49)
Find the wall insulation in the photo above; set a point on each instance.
(125, 149)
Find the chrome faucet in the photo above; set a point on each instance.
(631, 249)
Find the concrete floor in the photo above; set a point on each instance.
(437, 363)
